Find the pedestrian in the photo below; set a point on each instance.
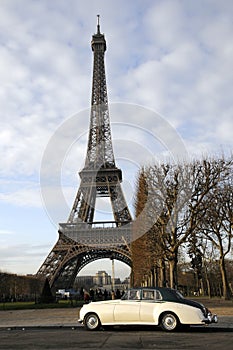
(86, 296)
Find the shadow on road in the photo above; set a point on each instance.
(192, 329)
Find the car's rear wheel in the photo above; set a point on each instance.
(169, 322)
(92, 322)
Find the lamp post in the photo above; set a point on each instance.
(113, 275)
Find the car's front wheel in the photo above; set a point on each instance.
(169, 321)
(92, 322)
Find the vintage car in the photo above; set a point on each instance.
(164, 307)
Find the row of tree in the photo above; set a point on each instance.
(23, 288)
(184, 212)
(18, 288)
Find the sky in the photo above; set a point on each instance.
(169, 78)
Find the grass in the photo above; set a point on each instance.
(213, 302)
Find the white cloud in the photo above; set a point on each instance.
(174, 57)
(23, 197)
(6, 232)
(165, 24)
(121, 270)
(22, 258)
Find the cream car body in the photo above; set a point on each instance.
(146, 306)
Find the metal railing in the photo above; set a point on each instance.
(97, 233)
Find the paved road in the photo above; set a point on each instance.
(39, 317)
(58, 329)
(213, 337)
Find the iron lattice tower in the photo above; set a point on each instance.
(81, 240)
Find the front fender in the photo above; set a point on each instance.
(103, 311)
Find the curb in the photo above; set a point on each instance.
(24, 328)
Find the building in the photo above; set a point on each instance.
(102, 278)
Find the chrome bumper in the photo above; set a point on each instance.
(211, 318)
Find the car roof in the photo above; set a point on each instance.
(170, 294)
(154, 288)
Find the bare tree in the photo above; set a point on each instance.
(175, 204)
(165, 200)
(217, 226)
(172, 206)
(140, 255)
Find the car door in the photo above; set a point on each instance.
(127, 311)
(106, 311)
(150, 305)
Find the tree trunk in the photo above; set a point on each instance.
(173, 273)
(153, 277)
(202, 292)
(226, 288)
(208, 283)
(161, 273)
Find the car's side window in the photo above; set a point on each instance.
(148, 294)
(158, 295)
(134, 294)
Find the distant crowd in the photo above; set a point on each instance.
(99, 294)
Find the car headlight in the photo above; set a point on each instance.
(205, 311)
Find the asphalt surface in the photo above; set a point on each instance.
(39, 318)
(59, 329)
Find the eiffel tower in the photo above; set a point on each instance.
(82, 240)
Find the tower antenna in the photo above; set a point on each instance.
(98, 24)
